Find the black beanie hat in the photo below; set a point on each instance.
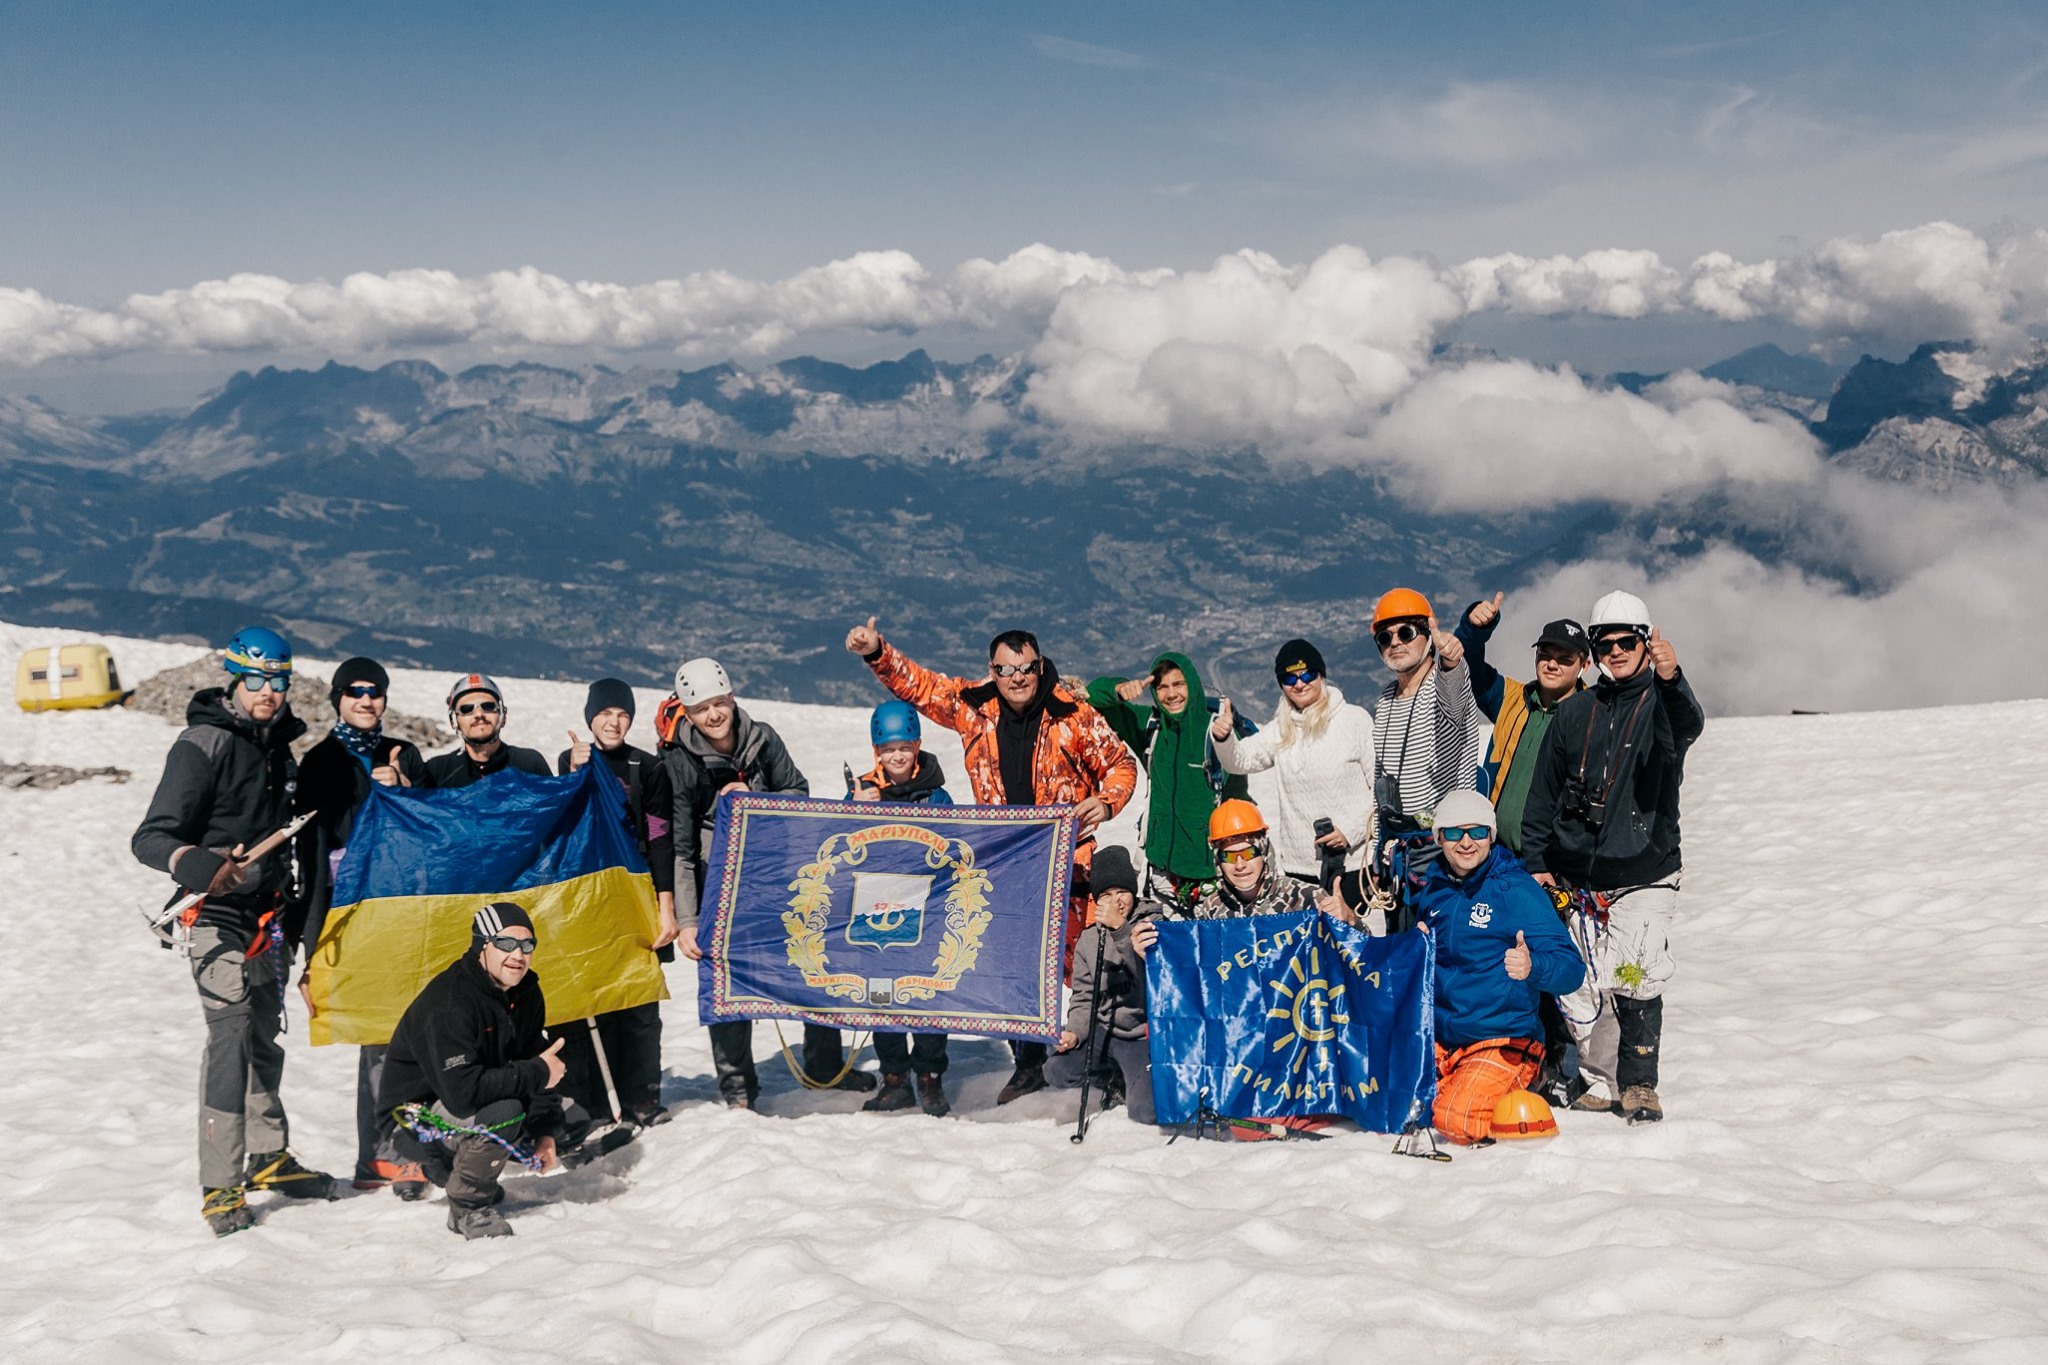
(357, 670)
(495, 918)
(1112, 871)
(1298, 653)
(606, 693)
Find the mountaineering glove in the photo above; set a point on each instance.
(209, 870)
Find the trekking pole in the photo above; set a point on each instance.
(604, 1070)
(1094, 1027)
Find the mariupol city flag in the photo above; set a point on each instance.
(860, 915)
(1277, 1015)
(418, 865)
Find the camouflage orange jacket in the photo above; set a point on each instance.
(1078, 755)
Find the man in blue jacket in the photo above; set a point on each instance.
(1499, 949)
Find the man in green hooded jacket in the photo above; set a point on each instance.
(1171, 738)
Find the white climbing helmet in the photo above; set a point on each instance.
(1618, 609)
(699, 680)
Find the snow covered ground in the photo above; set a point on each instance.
(1853, 1168)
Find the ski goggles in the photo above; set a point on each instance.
(1627, 642)
(278, 682)
(506, 943)
(1386, 637)
(363, 691)
(1013, 670)
(1300, 677)
(1458, 834)
(489, 708)
(1232, 856)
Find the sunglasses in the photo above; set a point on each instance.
(279, 682)
(1458, 834)
(1556, 656)
(363, 691)
(506, 943)
(1626, 643)
(489, 708)
(1012, 670)
(1386, 637)
(1300, 677)
(1238, 855)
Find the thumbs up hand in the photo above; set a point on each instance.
(1516, 959)
(1484, 614)
(864, 640)
(556, 1068)
(579, 751)
(1449, 653)
(1662, 656)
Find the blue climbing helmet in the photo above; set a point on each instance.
(894, 722)
(256, 650)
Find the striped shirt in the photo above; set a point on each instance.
(1431, 742)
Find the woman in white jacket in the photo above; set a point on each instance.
(1319, 747)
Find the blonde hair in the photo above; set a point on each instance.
(1305, 724)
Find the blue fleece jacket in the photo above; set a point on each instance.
(1474, 920)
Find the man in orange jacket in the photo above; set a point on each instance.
(1029, 741)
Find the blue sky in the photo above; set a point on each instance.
(152, 147)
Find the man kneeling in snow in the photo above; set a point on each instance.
(1499, 948)
(466, 1080)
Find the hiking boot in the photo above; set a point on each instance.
(931, 1095)
(1113, 1093)
(477, 1223)
(1023, 1081)
(1591, 1103)
(861, 1081)
(280, 1171)
(894, 1095)
(745, 1102)
(225, 1211)
(406, 1179)
(648, 1113)
(1639, 1104)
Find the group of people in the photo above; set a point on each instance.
(1530, 827)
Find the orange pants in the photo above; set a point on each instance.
(1471, 1080)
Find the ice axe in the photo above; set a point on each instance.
(159, 919)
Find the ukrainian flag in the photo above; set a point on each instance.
(418, 865)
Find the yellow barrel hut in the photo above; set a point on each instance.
(66, 678)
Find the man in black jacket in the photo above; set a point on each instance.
(477, 710)
(631, 1037)
(1602, 817)
(466, 1080)
(334, 781)
(227, 785)
(720, 749)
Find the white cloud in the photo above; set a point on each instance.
(1499, 435)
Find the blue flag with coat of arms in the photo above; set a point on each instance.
(869, 915)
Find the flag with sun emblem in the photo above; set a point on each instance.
(1278, 1015)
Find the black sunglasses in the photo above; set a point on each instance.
(277, 682)
(506, 943)
(1012, 670)
(1626, 643)
(1388, 636)
(489, 708)
(365, 691)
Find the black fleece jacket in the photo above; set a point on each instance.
(696, 774)
(1624, 745)
(458, 769)
(467, 1043)
(227, 781)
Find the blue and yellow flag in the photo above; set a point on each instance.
(418, 865)
(1278, 1015)
(919, 919)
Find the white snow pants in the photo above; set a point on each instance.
(1630, 955)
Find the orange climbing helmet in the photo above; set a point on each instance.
(1401, 604)
(1235, 819)
(1523, 1114)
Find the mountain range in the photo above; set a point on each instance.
(561, 522)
